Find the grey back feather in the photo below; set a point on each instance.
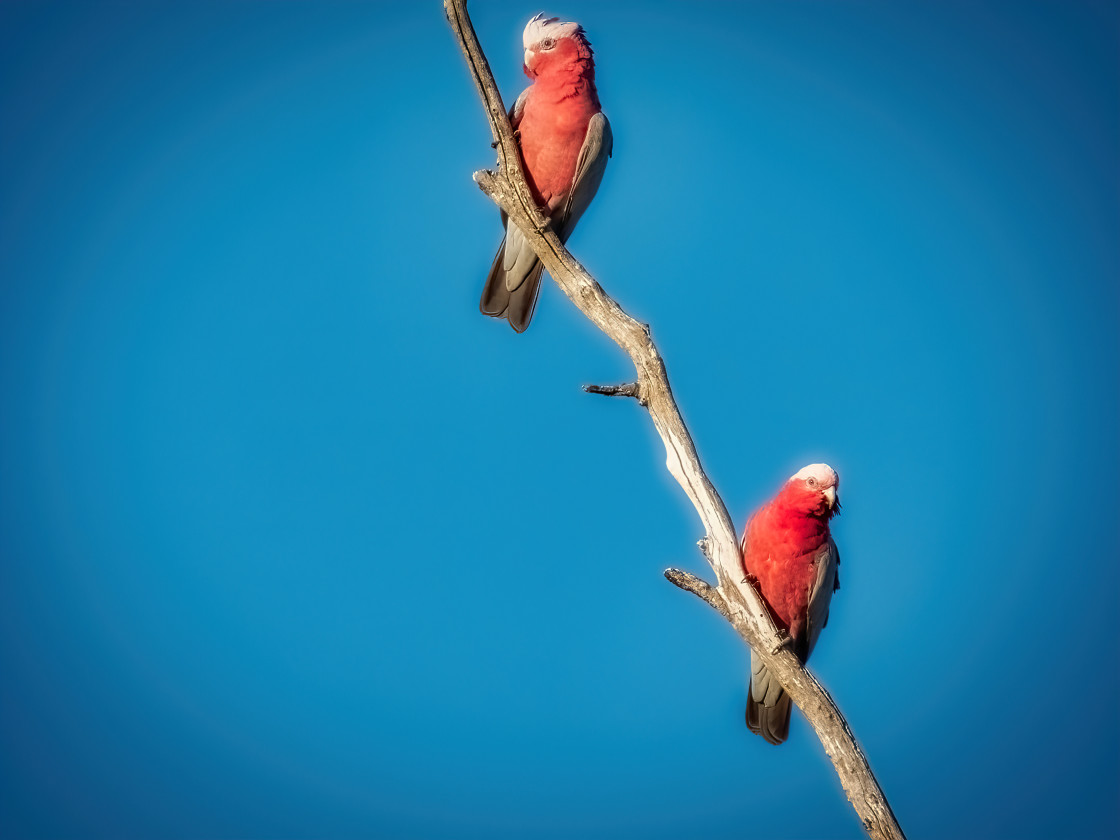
(590, 166)
(820, 596)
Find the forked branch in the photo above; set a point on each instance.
(734, 598)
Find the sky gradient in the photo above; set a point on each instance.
(295, 543)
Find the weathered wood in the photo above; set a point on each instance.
(630, 389)
(733, 597)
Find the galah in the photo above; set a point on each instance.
(789, 552)
(565, 143)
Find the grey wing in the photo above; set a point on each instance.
(768, 706)
(514, 281)
(820, 596)
(519, 259)
(590, 166)
(518, 109)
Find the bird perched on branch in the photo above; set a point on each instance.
(789, 553)
(565, 143)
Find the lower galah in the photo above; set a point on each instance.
(789, 553)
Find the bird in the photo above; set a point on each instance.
(789, 553)
(565, 143)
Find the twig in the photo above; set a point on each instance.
(631, 389)
(742, 605)
(700, 588)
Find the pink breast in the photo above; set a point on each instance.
(551, 139)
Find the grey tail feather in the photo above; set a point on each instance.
(516, 306)
(771, 722)
(495, 296)
(523, 300)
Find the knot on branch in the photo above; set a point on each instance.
(705, 547)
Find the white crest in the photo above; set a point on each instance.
(824, 474)
(540, 27)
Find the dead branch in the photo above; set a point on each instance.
(630, 389)
(733, 597)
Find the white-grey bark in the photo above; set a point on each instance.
(733, 597)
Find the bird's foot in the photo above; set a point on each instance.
(783, 641)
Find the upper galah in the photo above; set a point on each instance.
(565, 143)
(788, 550)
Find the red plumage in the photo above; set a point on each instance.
(565, 143)
(558, 107)
(789, 551)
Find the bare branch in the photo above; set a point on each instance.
(741, 605)
(631, 389)
(700, 588)
(509, 154)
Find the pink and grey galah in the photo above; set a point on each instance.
(789, 552)
(565, 143)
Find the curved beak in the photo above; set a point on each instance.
(833, 501)
(528, 57)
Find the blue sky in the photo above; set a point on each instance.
(262, 573)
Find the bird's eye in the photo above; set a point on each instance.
(547, 44)
(812, 482)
